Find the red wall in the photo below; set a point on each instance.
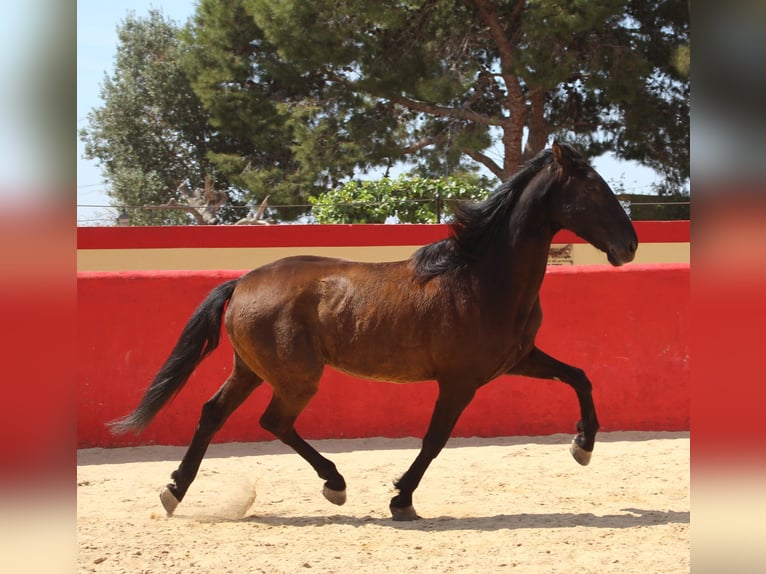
(627, 328)
(228, 236)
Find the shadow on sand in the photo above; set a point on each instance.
(630, 518)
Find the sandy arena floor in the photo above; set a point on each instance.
(518, 504)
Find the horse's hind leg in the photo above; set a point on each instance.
(542, 366)
(231, 395)
(279, 419)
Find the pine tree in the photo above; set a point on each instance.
(445, 79)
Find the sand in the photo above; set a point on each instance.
(516, 504)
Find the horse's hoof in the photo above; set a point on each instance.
(405, 514)
(335, 496)
(579, 453)
(168, 501)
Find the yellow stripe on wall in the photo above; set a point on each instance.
(586, 254)
(252, 257)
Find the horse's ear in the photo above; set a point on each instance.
(560, 155)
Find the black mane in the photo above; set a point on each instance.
(477, 225)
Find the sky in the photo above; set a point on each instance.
(97, 22)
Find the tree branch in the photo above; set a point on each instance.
(489, 17)
(486, 161)
(256, 219)
(447, 112)
(425, 142)
(173, 204)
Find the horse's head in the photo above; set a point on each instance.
(583, 202)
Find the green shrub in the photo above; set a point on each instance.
(407, 199)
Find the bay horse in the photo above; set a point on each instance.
(461, 311)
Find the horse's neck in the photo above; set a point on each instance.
(530, 236)
(521, 263)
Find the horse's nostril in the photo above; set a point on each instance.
(633, 246)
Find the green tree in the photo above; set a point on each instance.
(441, 81)
(242, 87)
(286, 98)
(276, 129)
(150, 134)
(408, 199)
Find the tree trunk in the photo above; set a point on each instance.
(538, 127)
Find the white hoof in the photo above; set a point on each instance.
(580, 454)
(335, 496)
(406, 514)
(168, 501)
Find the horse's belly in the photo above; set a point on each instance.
(386, 377)
(381, 364)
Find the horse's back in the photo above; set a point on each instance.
(311, 274)
(324, 291)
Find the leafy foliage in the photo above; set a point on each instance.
(407, 199)
(149, 135)
(244, 90)
(453, 77)
(287, 98)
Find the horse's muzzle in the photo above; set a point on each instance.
(620, 255)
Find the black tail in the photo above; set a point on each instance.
(198, 339)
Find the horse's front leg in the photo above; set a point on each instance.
(542, 366)
(450, 404)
